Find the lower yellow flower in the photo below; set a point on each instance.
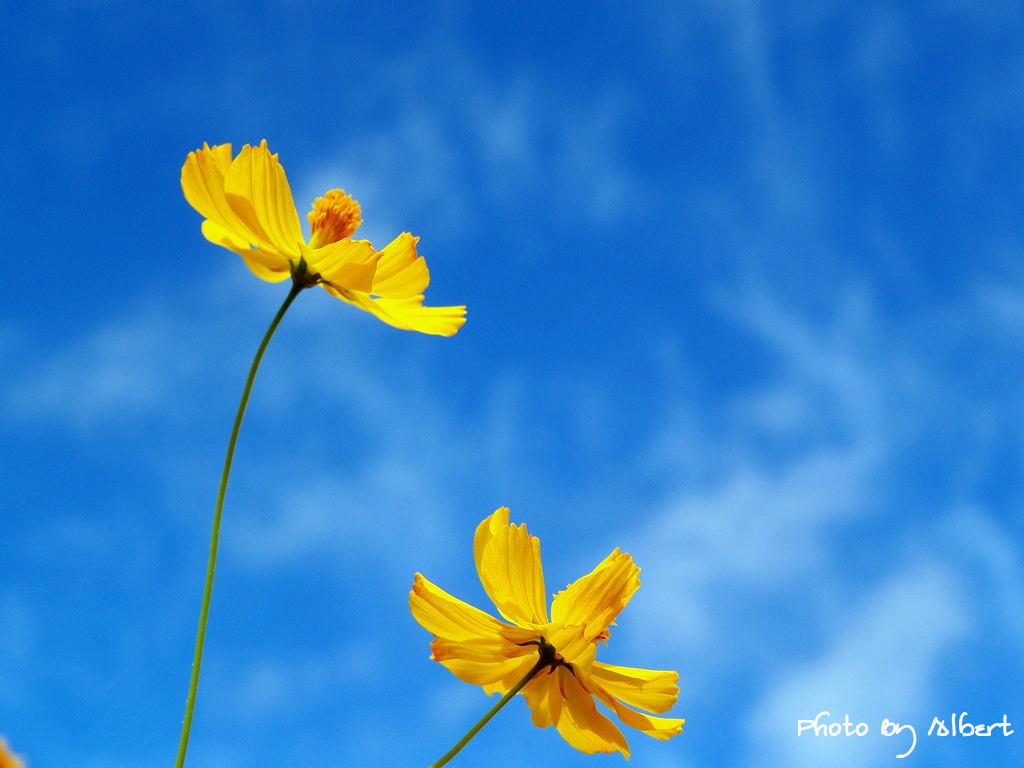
(479, 649)
(7, 758)
(248, 208)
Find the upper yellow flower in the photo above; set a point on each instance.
(248, 208)
(482, 650)
(7, 758)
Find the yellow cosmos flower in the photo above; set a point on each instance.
(7, 758)
(248, 208)
(479, 649)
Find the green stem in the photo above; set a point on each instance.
(542, 662)
(204, 610)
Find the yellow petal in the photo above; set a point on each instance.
(508, 563)
(652, 690)
(661, 728)
(401, 274)
(202, 181)
(407, 314)
(396, 294)
(580, 723)
(411, 315)
(448, 617)
(512, 678)
(483, 663)
(596, 599)
(539, 694)
(7, 758)
(656, 727)
(479, 649)
(257, 190)
(272, 267)
(345, 264)
(221, 155)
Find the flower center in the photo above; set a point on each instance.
(334, 217)
(550, 657)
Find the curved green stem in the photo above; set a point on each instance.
(542, 662)
(204, 609)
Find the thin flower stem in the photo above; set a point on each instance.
(542, 662)
(204, 609)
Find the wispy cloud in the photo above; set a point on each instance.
(295, 686)
(117, 369)
(883, 660)
(16, 648)
(133, 365)
(481, 144)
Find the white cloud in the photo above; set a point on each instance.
(385, 513)
(117, 369)
(991, 567)
(137, 364)
(789, 560)
(16, 649)
(882, 661)
(521, 143)
(774, 503)
(730, 567)
(1001, 304)
(290, 686)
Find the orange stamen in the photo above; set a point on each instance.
(334, 217)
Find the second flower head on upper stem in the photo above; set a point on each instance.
(248, 208)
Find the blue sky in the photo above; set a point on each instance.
(746, 299)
